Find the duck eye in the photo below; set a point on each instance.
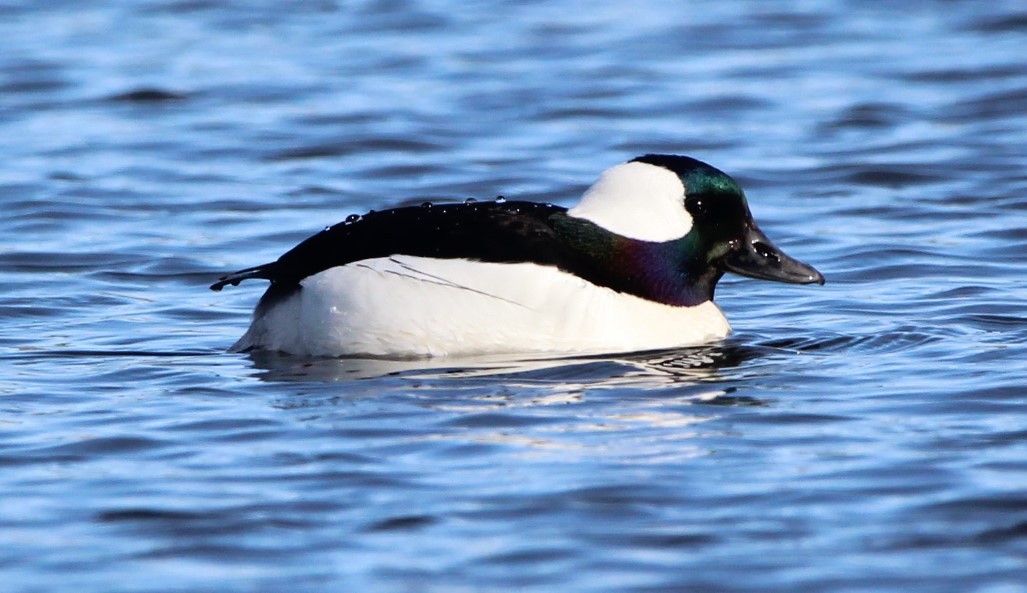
(696, 205)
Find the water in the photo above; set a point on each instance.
(867, 435)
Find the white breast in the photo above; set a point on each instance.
(413, 306)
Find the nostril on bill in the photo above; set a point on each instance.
(765, 251)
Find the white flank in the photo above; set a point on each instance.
(637, 200)
(413, 307)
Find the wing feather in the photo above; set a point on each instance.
(487, 231)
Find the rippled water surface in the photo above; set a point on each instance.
(868, 435)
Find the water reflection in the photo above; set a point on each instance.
(643, 407)
(640, 369)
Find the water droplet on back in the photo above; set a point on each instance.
(470, 201)
(426, 205)
(500, 199)
(352, 218)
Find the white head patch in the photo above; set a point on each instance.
(639, 201)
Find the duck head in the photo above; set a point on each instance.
(694, 211)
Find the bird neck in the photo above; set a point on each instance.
(671, 272)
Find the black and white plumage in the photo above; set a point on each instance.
(633, 266)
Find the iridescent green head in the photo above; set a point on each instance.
(688, 221)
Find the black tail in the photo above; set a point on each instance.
(262, 271)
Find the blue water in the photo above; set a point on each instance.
(869, 435)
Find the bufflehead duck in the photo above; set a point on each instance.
(633, 266)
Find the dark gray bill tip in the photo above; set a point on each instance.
(814, 277)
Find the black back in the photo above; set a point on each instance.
(487, 231)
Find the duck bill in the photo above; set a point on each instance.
(756, 257)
